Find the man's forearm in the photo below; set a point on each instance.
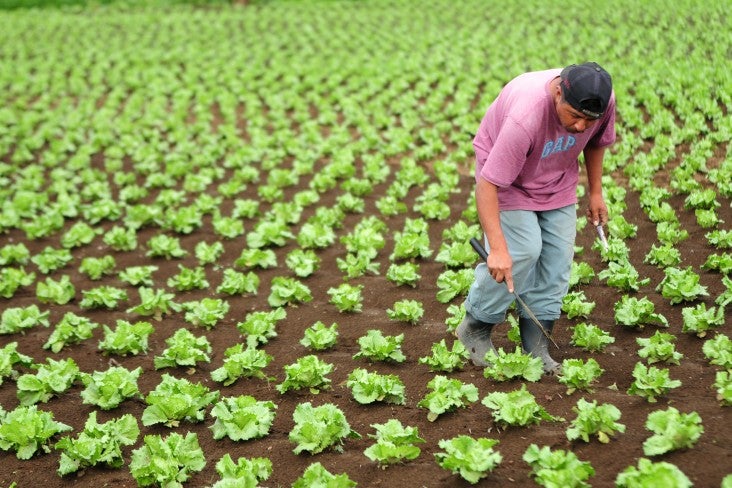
(486, 197)
(593, 162)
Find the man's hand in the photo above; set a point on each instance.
(597, 210)
(500, 267)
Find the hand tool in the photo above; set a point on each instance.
(601, 233)
(484, 255)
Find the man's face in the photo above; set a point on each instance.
(572, 119)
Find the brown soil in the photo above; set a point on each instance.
(705, 464)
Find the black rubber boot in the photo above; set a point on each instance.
(476, 337)
(536, 343)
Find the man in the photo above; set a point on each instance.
(526, 173)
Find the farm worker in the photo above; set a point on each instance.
(527, 170)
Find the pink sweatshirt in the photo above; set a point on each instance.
(523, 149)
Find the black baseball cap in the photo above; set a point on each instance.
(587, 88)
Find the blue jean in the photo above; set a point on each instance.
(541, 245)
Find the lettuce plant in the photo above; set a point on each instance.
(505, 366)
(320, 337)
(575, 304)
(97, 444)
(318, 428)
(13, 278)
(241, 362)
(167, 461)
(269, 233)
(516, 408)
(206, 312)
(71, 329)
(622, 275)
(663, 256)
(453, 283)
(406, 273)
(316, 475)
(395, 443)
(723, 385)
(698, 320)
(590, 337)
(259, 326)
(107, 389)
(9, 358)
(473, 459)
(718, 351)
(634, 313)
(456, 254)
(303, 262)
(671, 232)
(315, 235)
(138, 275)
(306, 372)
(721, 239)
(121, 238)
(245, 472)
(126, 338)
(189, 279)
(14, 254)
(681, 285)
(227, 227)
(208, 253)
(155, 303)
(51, 259)
(651, 382)
(285, 290)
(102, 297)
(410, 311)
(557, 468)
(579, 375)
(367, 237)
(165, 246)
(242, 418)
(78, 235)
(649, 473)
(346, 297)
(19, 319)
(52, 378)
(95, 268)
(355, 265)
(581, 273)
(256, 258)
(456, 314)
(594, 419)
(378, 347)
(444, 359)
(236, 283)
(659, 348)
(719, 262)
(184, 349)
(672, 430)
(446, 395)
(59, 292)
(374, 387)
(26, 430)
(174, 400)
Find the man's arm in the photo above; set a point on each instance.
(596, 210)
(499, 260)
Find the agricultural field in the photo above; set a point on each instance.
(234, 247)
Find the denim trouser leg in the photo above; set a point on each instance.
(541, 245)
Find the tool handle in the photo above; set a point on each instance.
(478, 248)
